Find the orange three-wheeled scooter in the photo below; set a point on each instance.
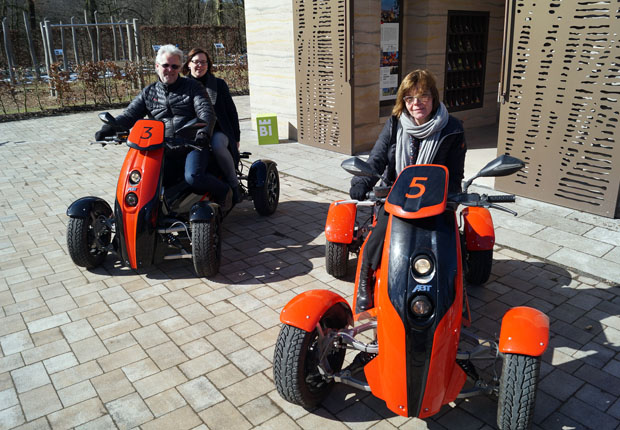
(414, 360)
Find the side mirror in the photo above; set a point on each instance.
(107, 118)
(503, 165)
(358, 167)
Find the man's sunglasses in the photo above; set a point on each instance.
(172, 66)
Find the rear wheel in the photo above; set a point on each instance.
(336, 259)
(478, 266)
(266, 197)
(517, 391)
(206, 247)
(88, 239)
(296, 362)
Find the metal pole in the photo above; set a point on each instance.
(98, 38)
(62, 46)
(45, 49)
(90, 36)
(129, 46)
(136, 35)
(7, 49)
(120, 33)
(114, 38)
(75, 47)
(33, 55)
(50, 45)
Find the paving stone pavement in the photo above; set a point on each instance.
(163, 349)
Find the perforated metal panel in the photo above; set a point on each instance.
(561, 111)
(322, 73)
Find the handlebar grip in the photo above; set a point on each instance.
(508, 198)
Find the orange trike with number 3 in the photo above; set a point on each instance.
(157, 216)
(412, 348)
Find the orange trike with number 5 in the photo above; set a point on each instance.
(415, 353)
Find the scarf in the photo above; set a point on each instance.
(210, 83)
(428, 133)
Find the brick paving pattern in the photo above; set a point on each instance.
(163, 349)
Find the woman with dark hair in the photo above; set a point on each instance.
(226, 136)
(420, 131)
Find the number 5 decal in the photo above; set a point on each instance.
(147, 133)
(414, 184)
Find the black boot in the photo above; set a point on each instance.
(364, 288)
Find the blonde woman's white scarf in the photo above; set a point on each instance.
(428, 133)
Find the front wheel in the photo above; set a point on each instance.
(478, 266)
(337, 259)
(266, 198)
(296, 362)
(517, 391)
(206, 247)
(88, 239)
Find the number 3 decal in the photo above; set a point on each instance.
(147, 133)
(414, 184)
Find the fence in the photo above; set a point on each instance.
(118, 40)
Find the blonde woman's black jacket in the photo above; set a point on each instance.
(451, 153)
(175, 104)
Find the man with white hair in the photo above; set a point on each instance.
(175, 101)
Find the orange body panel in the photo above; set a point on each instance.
(524, 331)
(389, 367)
(147, 132)
(149, 164)
(439, 386)
(478, 227)
(305, 310)
(340, 223)
(417, 190)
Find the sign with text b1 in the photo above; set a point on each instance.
(267, 127)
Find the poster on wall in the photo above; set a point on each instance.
(390, 57)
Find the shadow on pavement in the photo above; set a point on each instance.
(255, 249)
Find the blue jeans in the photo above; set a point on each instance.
(219, 144)
(199, 178)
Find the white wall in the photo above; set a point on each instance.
(271, 62)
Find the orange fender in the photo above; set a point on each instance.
(305, 310)
(524, 331)
(340, 222)
(478, 227)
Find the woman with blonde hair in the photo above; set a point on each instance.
(420, 131)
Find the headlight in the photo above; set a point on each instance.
(421, 306)
(134, 177)
(131, 199)
(422, 265)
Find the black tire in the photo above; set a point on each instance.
(295, 366)
(517, 391)
(337, 259)
(87, 240)
(478, 266)
(206, 247)
(266, 198)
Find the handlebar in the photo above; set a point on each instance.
(508, 198)
(170, 142)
